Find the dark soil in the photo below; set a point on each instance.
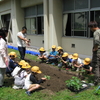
(57, 78)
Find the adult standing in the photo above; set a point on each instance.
(22, 41)
(96, 50)
(3, 56)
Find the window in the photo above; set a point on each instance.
(95, 3)
(5, 20)
(76, 16)
(76, 24)
(34, 19)
(74, 4)
(80, 24)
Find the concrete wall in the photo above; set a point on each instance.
(55, 22)
(5, 6)
(83, 46)
(27, 3)
(36, 40)
(17, 16)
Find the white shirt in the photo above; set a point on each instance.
(79, 61)
(20, 42)
(27, 81)
(3, 53)
(22, 74)
(15, 71)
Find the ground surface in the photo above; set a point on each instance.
(57, 78)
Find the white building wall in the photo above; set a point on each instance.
(55, 22)
(83, 46)
(17, 16)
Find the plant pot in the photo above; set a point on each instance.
(81, 89)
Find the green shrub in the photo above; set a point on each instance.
(74, 83)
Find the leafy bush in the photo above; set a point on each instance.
(74, 83)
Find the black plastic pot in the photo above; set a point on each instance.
(81, 89)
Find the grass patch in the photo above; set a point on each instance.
(11, 94)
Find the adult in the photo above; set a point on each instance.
(22, 41)
(96, 50)
(3, 56)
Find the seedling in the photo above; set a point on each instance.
(74, 83)
(47, 77)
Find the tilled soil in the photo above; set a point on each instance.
(57, 78)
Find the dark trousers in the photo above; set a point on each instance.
(96, 65)
(22, 52)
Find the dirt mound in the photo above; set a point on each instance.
(58, 78)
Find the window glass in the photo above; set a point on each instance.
(30, 11)
(68, 5)
(28, 24)
(34, 19)
(97, 17)
(95, 3)
(81, 4)
(33, 26)
(80, 20)
(40, 9)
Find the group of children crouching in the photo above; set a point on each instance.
(23, 74)
(64, 60)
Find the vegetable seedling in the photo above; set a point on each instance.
(47, 77)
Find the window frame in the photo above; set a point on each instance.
(36, 17)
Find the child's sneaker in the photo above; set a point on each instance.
(15, 87)
(28, 93)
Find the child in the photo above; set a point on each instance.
(43, 54)
(15, 71)
(64, 61)
(60, 51)
(52, 58)
(12, 63)
(21, 75)
(76, 62)
(87, 65)
(31, 82)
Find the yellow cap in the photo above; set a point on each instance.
(75, 56)
(86, 61)
(26, 65)
(53, 46)
(59, 48)
(21, 62)
(65, 54)
(13, 54)
(41, 49)
(35, 69)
